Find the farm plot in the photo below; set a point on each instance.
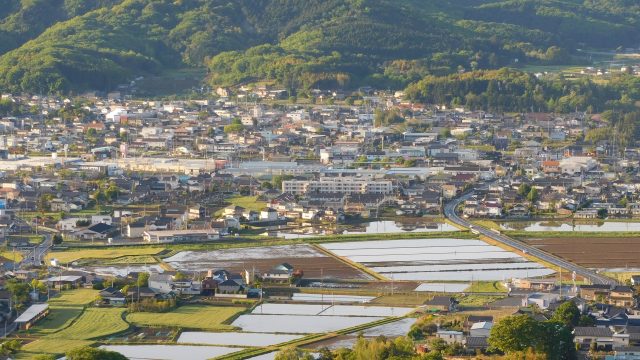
(75, 254)
(313, 262)
(189, 316)
(93, 323)
(331, 310)
(390, 330)
(235, 338)
(442, 287)
(59, 318)
(299, 324)
(593, 252)
(123, 270)
(170, 352)
(331, 298)
(312, 318)
(74, 297)
(64, 308)
(438, 260)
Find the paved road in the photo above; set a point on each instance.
(36, 255)
(593, 277)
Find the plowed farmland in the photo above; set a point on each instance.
(593, 252)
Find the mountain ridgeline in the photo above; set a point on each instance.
(64, 46)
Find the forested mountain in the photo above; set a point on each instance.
(72, 45)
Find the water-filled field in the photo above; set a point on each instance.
(438, 259)
(234, 338)
(170, 352)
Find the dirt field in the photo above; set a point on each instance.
(313, 262)
(594, 252)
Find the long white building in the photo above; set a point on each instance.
(347, 185)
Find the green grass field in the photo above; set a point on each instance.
(622, 277)
(247, 202)
(477, 300)
(59, 318)
(486, 287)
(50, 346)
(111, 253)
(74, 331)
(64, 309)
(74, 297)
(489, 224)
(11, 255)
(94, 323)
(189, 316)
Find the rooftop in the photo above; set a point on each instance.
(33, 311)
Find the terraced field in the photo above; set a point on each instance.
(94, 323)
(64, 308)
(74, 332)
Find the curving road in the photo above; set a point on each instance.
(592, 276)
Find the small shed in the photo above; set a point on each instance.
(34, 313)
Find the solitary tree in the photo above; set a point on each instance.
(567, 313)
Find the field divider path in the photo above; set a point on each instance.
(350, 263)
(323, 310)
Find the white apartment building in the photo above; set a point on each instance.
(347, 185)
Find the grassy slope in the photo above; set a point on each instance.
(247, 202)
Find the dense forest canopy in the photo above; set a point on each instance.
(73, 45)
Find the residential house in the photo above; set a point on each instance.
(442, 303)
(160, 283)
(112, 296)
(230, 287)
(481, 329)
(603, 338)
(541, 300)
(282, 272)
(174, 236)
(268, 214)
(450, 336)
(97, 231)
(622, 296)
(594, 292)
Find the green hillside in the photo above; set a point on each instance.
(73, 45)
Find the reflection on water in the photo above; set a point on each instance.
(373, 227)
(384, 227)
(602, 226)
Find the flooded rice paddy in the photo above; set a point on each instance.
(330, 298)
(438, 260)
(235, 338)
(170, 352)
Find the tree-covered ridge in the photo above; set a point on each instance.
(511, 90)
(23, 20)
(71, 45)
